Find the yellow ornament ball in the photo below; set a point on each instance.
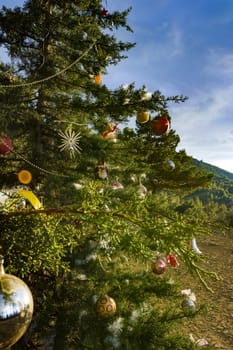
(25, 177)
(143, 117)
(106, 306)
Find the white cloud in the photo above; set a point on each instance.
(175, 44)
(220, 63)
(205, 126)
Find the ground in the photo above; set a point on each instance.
(216, 325)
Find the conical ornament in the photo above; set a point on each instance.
(16, 308)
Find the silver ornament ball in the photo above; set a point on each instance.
(16, 308)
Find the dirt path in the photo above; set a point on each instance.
(217, 325)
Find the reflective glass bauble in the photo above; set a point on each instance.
(16, 309)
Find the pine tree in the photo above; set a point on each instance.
(108, 209)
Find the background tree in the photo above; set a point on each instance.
(97, 234)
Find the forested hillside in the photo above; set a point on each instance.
(218, 172)
(220, 189)
(215, 199)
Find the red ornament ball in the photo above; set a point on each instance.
(160, 126)
(158, 266)
(105, 306)
(6, 145)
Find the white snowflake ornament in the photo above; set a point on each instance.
(70, 142)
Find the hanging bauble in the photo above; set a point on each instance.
(104, 12)
(6, 145)
(111, 136)
(168, 165)
(78, 186)
(106, 306)
(195, 247)
(31, 197)
(70, 142)
(142, 191)
(25, 177)
(109, 127)
(160, 125)
(117, 185)
(102, 171)
(98, 78)
(188, 305)
(172, 260)
(143, 117)
(111, 132)
(16, 308)
(158, 266)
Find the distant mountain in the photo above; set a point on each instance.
(220, 190)
(218, 172)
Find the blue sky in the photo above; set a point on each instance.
(183, 47)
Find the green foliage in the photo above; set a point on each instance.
(52, 237)
(103, 246)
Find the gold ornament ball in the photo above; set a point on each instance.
(143, 117)
(16, 309)
(105, 306)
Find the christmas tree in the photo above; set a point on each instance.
(89, 218)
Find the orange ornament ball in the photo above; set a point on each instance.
(98, 78)
(143, 117)
(25, 177)
(106, 306)
(160, 126)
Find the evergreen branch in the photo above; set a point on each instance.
(180, 316)
(211, 273)
(54, 211)
(133, 220)
(51, 76)
(201, 279)
(48, 211)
